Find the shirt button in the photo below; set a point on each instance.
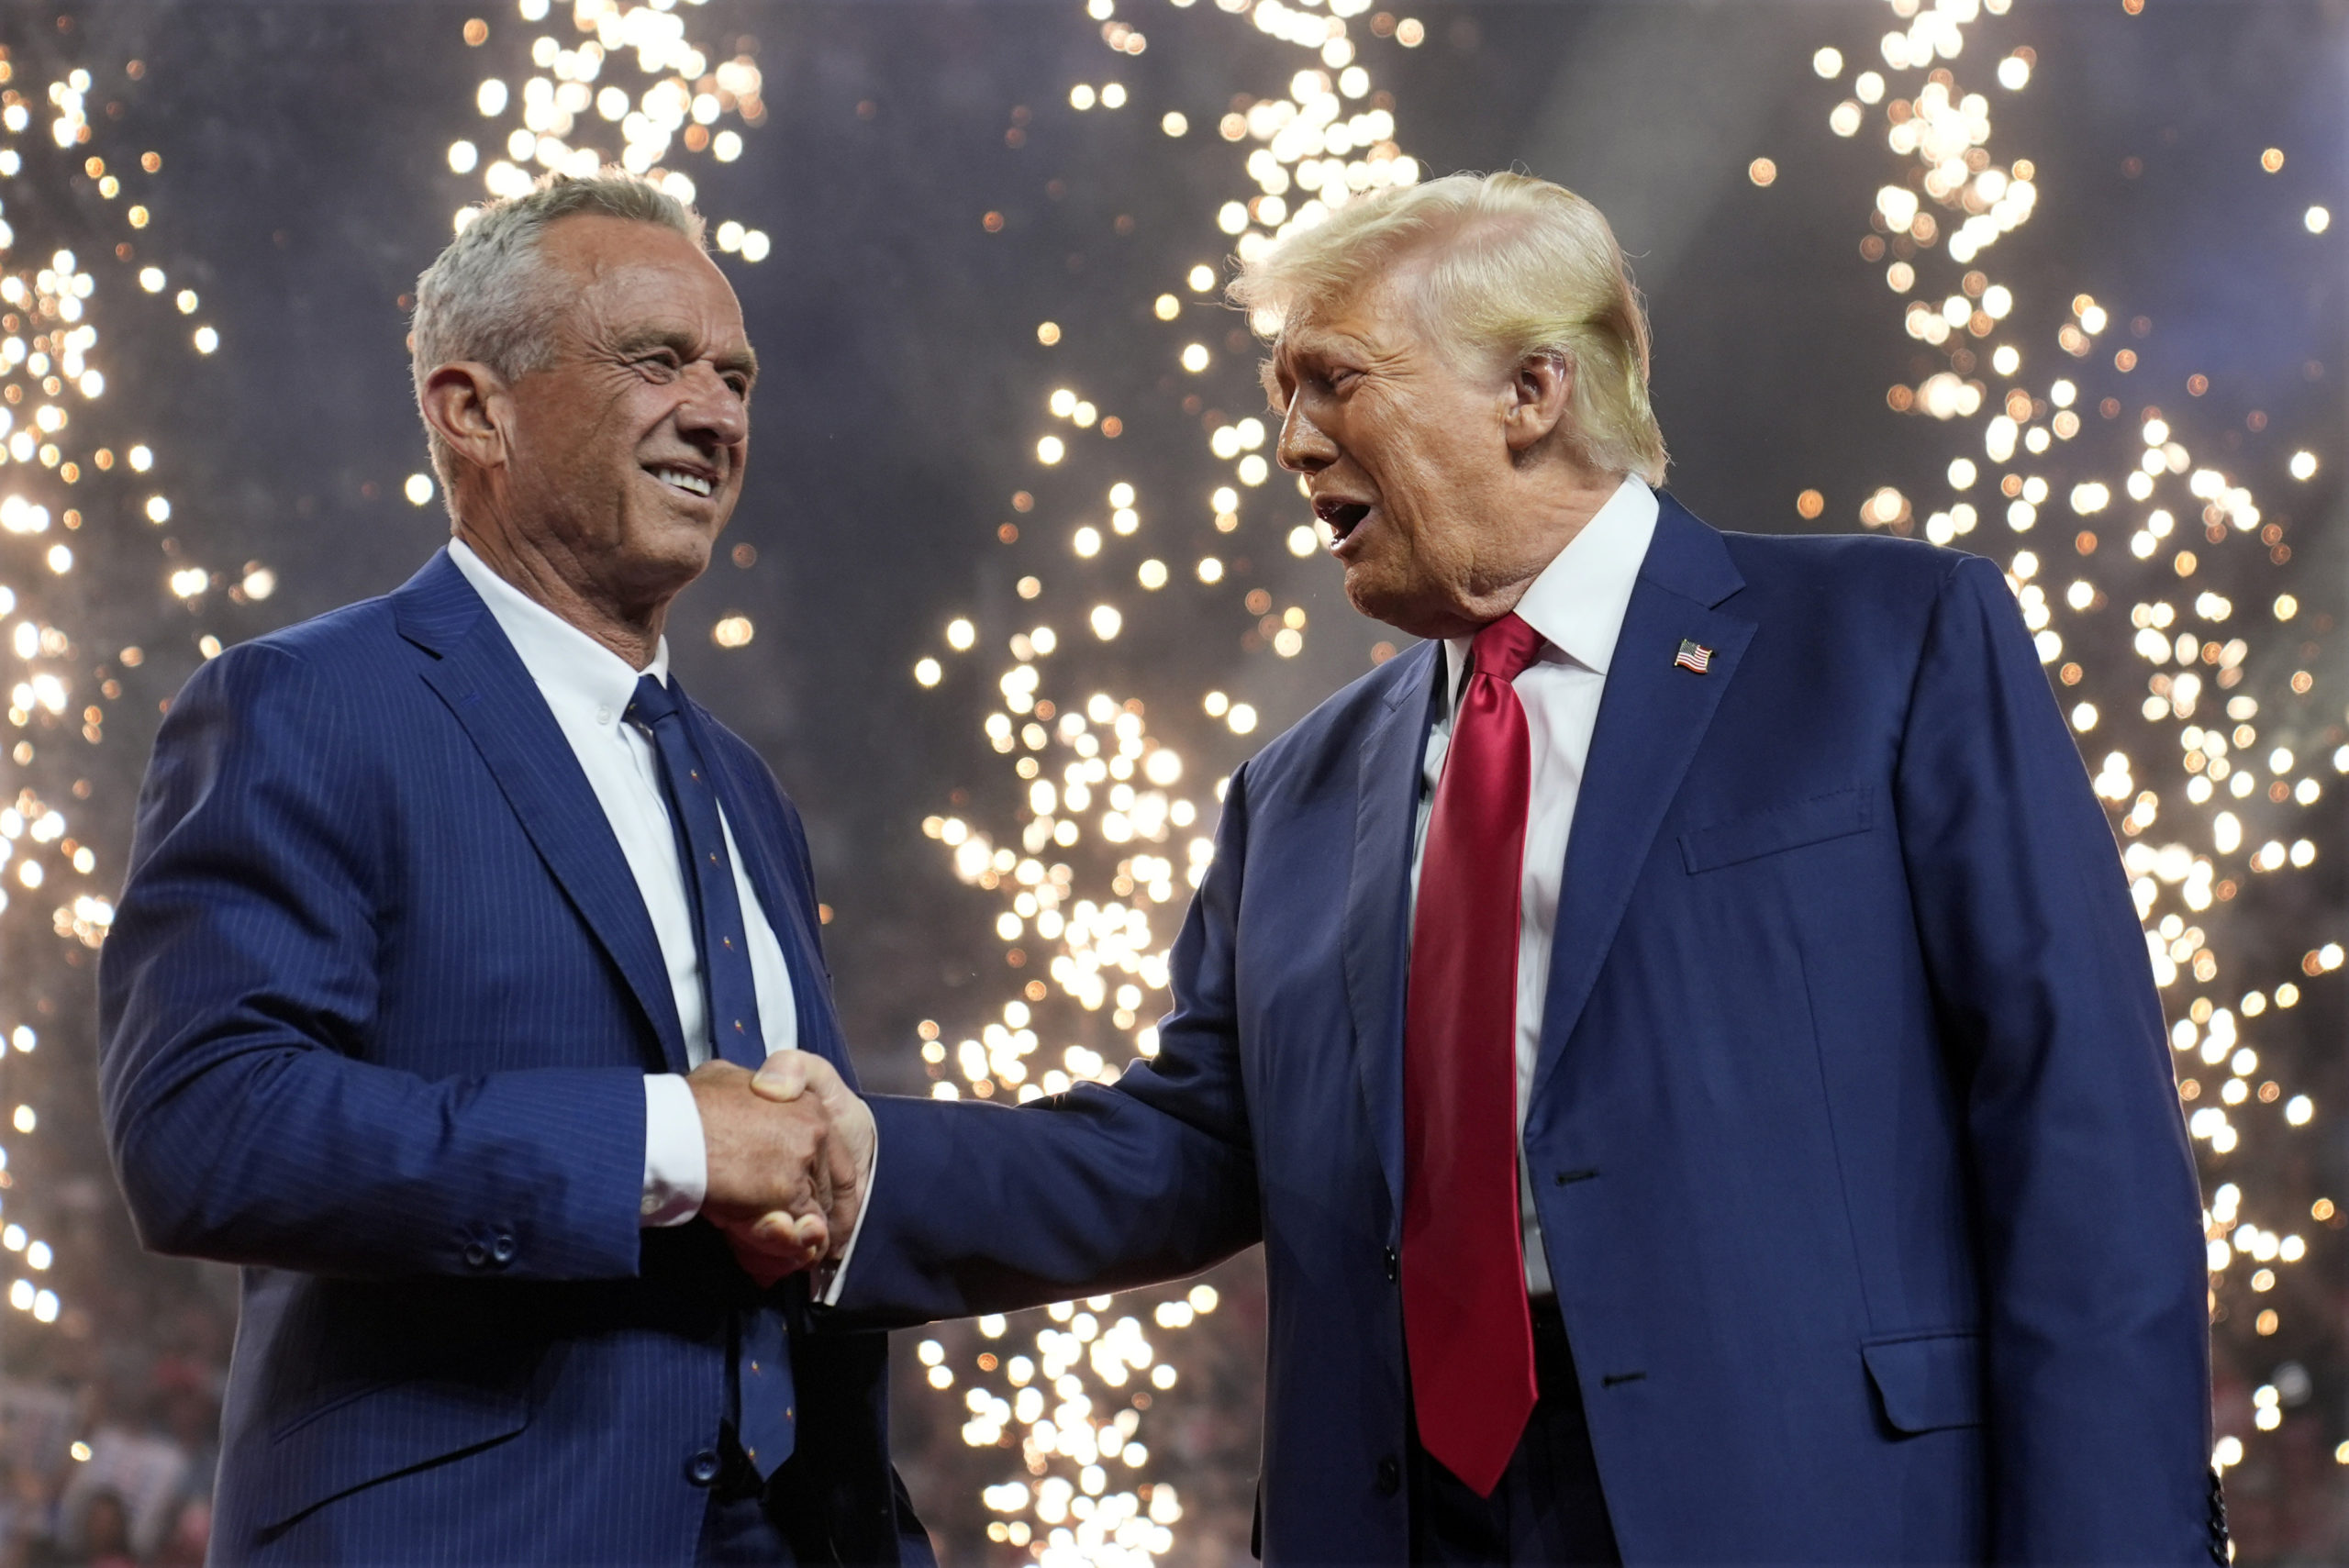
(702, 1468)
(649, 1206)
(603, 716)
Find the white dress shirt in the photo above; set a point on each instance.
(588, 687)
(1577, 605)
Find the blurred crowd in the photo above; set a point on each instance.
(109, 1423)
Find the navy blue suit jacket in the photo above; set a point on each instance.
(376, 1012)
(1854, 1135)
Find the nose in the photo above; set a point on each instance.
(712, 413)
(1304, 446)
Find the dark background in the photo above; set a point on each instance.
(305, 186)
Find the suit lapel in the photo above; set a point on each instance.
(490, 692)
(1378, 934)
(1650, 722)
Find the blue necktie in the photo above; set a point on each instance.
(763, 1382)
(727, 987)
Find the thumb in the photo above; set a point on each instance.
(783, 1076)
(825, 1079)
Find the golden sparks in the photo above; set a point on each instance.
(1110, 832)
(618, 82)
(62, 457)
(2211, 784)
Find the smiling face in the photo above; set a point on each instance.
(607, 476)
(1414, 457)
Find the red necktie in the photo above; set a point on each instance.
(1465, 1320)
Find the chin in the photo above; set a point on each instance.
(663, 559)
(1382, 598)
(682, 536)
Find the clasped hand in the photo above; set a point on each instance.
(790, 1153)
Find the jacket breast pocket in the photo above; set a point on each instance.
(1777, 827)
(1927, 1382)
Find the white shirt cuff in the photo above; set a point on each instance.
(676, 1161)
(832, 1277)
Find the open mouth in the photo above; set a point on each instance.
(1341, 515)
(693, 482)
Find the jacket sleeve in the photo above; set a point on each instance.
(238, 995)
(985, 1209)
(2097, 1334)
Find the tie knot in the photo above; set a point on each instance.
(1505, 648)
(652, 704)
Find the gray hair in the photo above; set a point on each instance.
(486, 298)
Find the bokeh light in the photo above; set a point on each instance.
(2194, 710)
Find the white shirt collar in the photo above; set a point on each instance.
(574, 669)
(1578, 602)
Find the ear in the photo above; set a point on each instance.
(468, 406)
(1535, 403)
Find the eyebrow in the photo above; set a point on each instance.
(1286, 350)
(681, 343)
(1268, 376)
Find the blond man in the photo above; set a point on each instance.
(1680, 1031)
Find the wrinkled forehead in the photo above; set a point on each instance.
(1365, 302)
(1383, 312)
(618, 275)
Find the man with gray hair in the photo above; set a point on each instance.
(453, 933)
(1681, 1031)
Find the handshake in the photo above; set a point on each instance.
(790, 1159)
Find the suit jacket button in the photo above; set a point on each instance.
(1394, 1265)
(503, 1248)
(1390, 1476)
(477, 1255)
(702, 1469)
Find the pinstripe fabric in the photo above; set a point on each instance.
(376, 1015)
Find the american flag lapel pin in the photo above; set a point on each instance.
(1693, 656)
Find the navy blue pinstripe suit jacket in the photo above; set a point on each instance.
(375, 1016)
(1854, 1132)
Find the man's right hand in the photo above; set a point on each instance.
(794, 1077)
(768, 1161)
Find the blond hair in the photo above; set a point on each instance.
(1515, 266)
